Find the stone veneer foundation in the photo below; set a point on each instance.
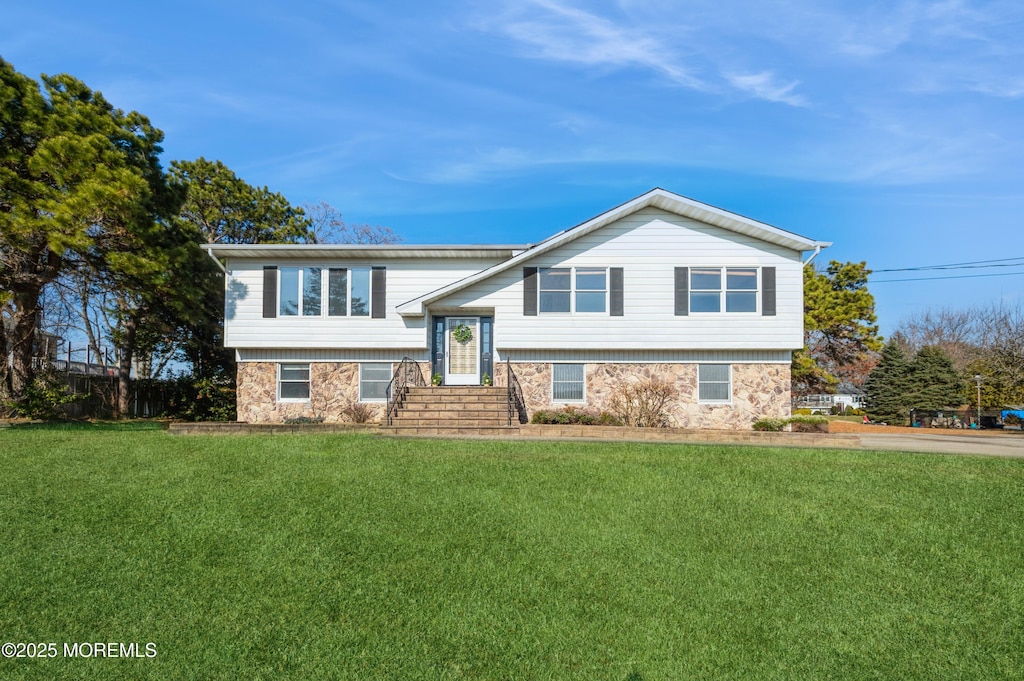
(758, 391)
(333, 388)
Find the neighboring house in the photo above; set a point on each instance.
(661, 286)
(824, 402)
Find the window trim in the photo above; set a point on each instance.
(308, 382)
(583, 383)
(729, 383)
(359, 387)
(723, 289)
(573, 290)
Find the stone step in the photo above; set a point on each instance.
(467, 431)
(450, 422)
(452, 390)
(448, 411)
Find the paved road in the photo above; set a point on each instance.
(1004, 444)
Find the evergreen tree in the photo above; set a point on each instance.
(70, 165)
(840, 330)
(933, 381)
(886, 386)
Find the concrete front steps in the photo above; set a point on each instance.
(454, 410)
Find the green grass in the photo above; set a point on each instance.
(356, 557)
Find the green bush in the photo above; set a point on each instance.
(205, 399)
(808, 424)
(44, 397)
(573, 416)
(770, 425)
(804, 412)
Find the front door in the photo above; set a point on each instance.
(462, 351)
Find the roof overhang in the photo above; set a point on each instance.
(657, 198)
(329, 251)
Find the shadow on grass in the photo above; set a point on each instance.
(130, 426)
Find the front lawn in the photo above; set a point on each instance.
(357, 557)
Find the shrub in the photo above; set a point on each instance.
(574, 416)
(204, 399)
(644, 404)
(770, 425)
(803, 412)
(357, 412)
(808, 424)
(303, 420)
(43, 398)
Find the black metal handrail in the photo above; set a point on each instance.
(516, 404)
(408, 373)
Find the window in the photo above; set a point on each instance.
(302, 291)
(591, 289)
(293, 382)
(289, 298)
(738, 295)
(714, 383)
(555, 289)
(306, 280)
(337, 292)
(567, 383)
(360, 291)
(374, 378)
(573, 289)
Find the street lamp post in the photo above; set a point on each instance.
(977, 378)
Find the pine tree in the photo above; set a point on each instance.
(933, 382)
(886, 386)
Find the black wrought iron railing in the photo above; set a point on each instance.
(407, 374)
(516, 404)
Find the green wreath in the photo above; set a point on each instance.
(462, 333)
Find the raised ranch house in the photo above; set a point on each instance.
(661, 286)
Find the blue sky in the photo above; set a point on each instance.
(893, 129)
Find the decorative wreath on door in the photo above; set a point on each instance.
(462, 333)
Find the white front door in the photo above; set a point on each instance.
(462, 351)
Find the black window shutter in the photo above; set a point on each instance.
(616, 302)
(378, 296)
(768, 291)
(529, 291)
(269, 291)
(682, 291)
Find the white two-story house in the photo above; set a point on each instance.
(661, 286)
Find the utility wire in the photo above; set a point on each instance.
(974, 264)
(960, 276)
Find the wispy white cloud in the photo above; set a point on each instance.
(765, 85)
(559, 31)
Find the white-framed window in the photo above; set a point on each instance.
(374, 378)
(714, 383)
(567, 383)
(574, 290)
(293, 382)
(708, 294)
(302, 290)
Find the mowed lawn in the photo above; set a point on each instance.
(358, 557)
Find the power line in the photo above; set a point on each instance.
(973, 264)
(961, 276)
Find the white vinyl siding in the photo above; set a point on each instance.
(648, 245)
(374, 378)
(567, 383)
(714, 383)
(245, 326)
(293, 382)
